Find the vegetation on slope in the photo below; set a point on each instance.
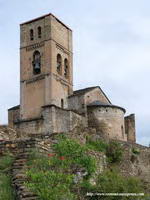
(6, 191)
(55, 176)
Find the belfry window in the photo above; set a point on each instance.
(31, 34)
(39, 32)
(36, 62)
(59, 64)
(66, 68)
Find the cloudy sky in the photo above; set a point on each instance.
(111, 48)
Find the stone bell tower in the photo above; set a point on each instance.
(46, 71)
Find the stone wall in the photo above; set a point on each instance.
(108, 121)
(14, 145)
(135, 161)
(53, 119)
(130, 128)
(13, 115)
(96, 95)
(7, 133)
(79, 103)
(61, 120)
(33, 126)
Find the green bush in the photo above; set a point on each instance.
(75, 154)
(97, 145)
(50, 185)
(39, 160)
(69, 148)
(114, 152)
(51, 176)
(136, 151)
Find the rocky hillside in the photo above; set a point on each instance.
(70, 165)
(7, 133)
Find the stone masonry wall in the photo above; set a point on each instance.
(48, 87)
(53, 119)
(96, 95)
(108, 121)
(130, 128)
(61, 120)
(79, 103)
(34, 126)
(13, 115)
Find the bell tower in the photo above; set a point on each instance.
(46, 71)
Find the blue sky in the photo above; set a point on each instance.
(111, 41)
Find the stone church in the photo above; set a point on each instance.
(48, 103)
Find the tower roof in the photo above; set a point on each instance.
(101, 104)
(86, 90)
(82, 91)
(43, 16)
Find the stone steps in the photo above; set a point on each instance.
(19, 176)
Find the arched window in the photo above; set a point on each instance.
(59, 64)
(39, 32)
(66, 68)
(31, 34)
(36, 62)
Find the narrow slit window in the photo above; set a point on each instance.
(59, 64)
(39, 32)
(62, 103)
(66, 68)
(122, 130)
(31, 34)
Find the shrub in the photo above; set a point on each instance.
(136, 151)
(75, 154)
(69, 148)
(51, 176)
(97, 145)
(114, 152)
(50, 185)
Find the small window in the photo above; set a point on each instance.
(39, 32)
(62, 103)
(66, 68)
(31, 34)
(122, 130)
(59, 64)
(36, 62)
